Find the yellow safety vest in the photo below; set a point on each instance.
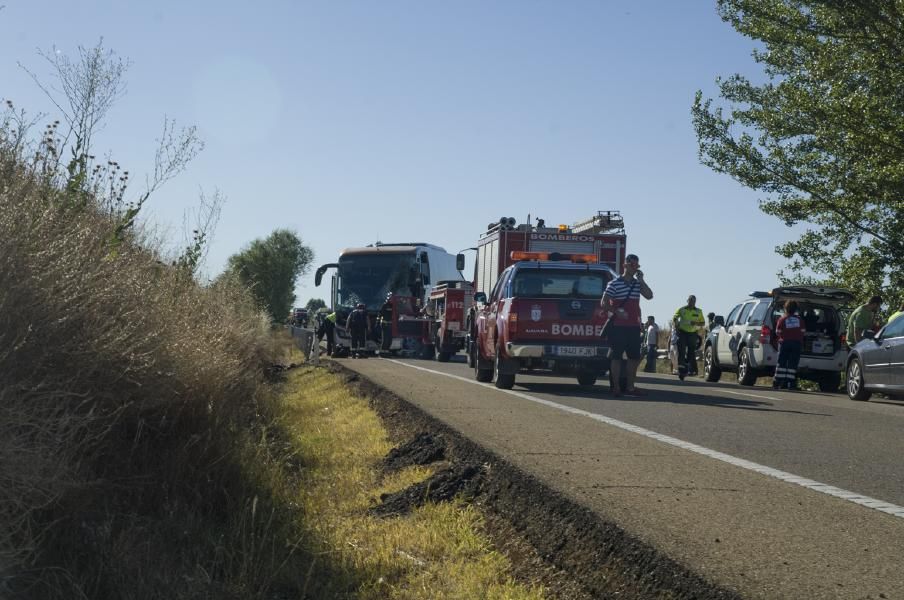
(689, 319)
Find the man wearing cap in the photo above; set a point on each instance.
(621, 301)
(357, 324)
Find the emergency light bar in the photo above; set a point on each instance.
(518, 255)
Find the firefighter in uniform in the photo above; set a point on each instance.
(385, 324)
(688, 320)
(357, 326)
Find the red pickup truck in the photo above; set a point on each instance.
(542, 315)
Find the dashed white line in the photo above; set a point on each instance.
(881, 506)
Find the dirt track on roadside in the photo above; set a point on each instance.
(552, 540)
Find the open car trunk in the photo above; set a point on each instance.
(823, 328)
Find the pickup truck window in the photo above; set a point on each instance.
(559, 284)
(497, 289)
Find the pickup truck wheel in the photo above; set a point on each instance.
(503, 381)
(481, 373)
(856, 388)
(711, 371)
(746, 374)
(587, 378)
(829, 382)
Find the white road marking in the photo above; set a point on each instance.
(754, 396)
(881, 506)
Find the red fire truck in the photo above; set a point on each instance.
(392, 280)
(536, 297)
(448, 306)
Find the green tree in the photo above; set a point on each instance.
(270, 267)
(314, 304)
(823, 136)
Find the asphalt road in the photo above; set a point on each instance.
(772, 494)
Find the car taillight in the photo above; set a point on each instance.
(843, 339)
(766, 335)
(513, 323)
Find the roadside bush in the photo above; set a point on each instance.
(126, 391)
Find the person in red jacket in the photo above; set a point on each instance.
(789, 334)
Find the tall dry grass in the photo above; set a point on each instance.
(126, 391)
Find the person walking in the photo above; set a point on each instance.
(789, 335)
(652, 344)
(357, 325)
(863, 318)
(621, 301)
(687, 321)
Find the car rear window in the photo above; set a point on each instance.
(742, 318)
(560, 284)
(759, 313)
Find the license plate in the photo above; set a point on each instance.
(575, 351)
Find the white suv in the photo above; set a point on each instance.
(741, 342)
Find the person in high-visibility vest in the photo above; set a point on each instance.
(895, 315)
(329, 329)
(688, 320)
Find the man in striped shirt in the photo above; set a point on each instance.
(621, 301)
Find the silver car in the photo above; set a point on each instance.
(876, 363)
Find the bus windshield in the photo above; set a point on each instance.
(368, 278)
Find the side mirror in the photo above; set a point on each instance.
(869, 334)
(459, 262)
(424, 257)
(318, 275)
(480, 298)
(719, 320)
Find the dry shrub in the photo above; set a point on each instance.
(126, 390)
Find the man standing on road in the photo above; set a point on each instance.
(789, 338)
(652, 345)
(687, 321)
(357, 325)
(621, 301)
(328, 329)
(863, 318)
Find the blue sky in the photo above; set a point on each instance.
(352, 122)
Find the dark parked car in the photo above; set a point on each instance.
(876, 363)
